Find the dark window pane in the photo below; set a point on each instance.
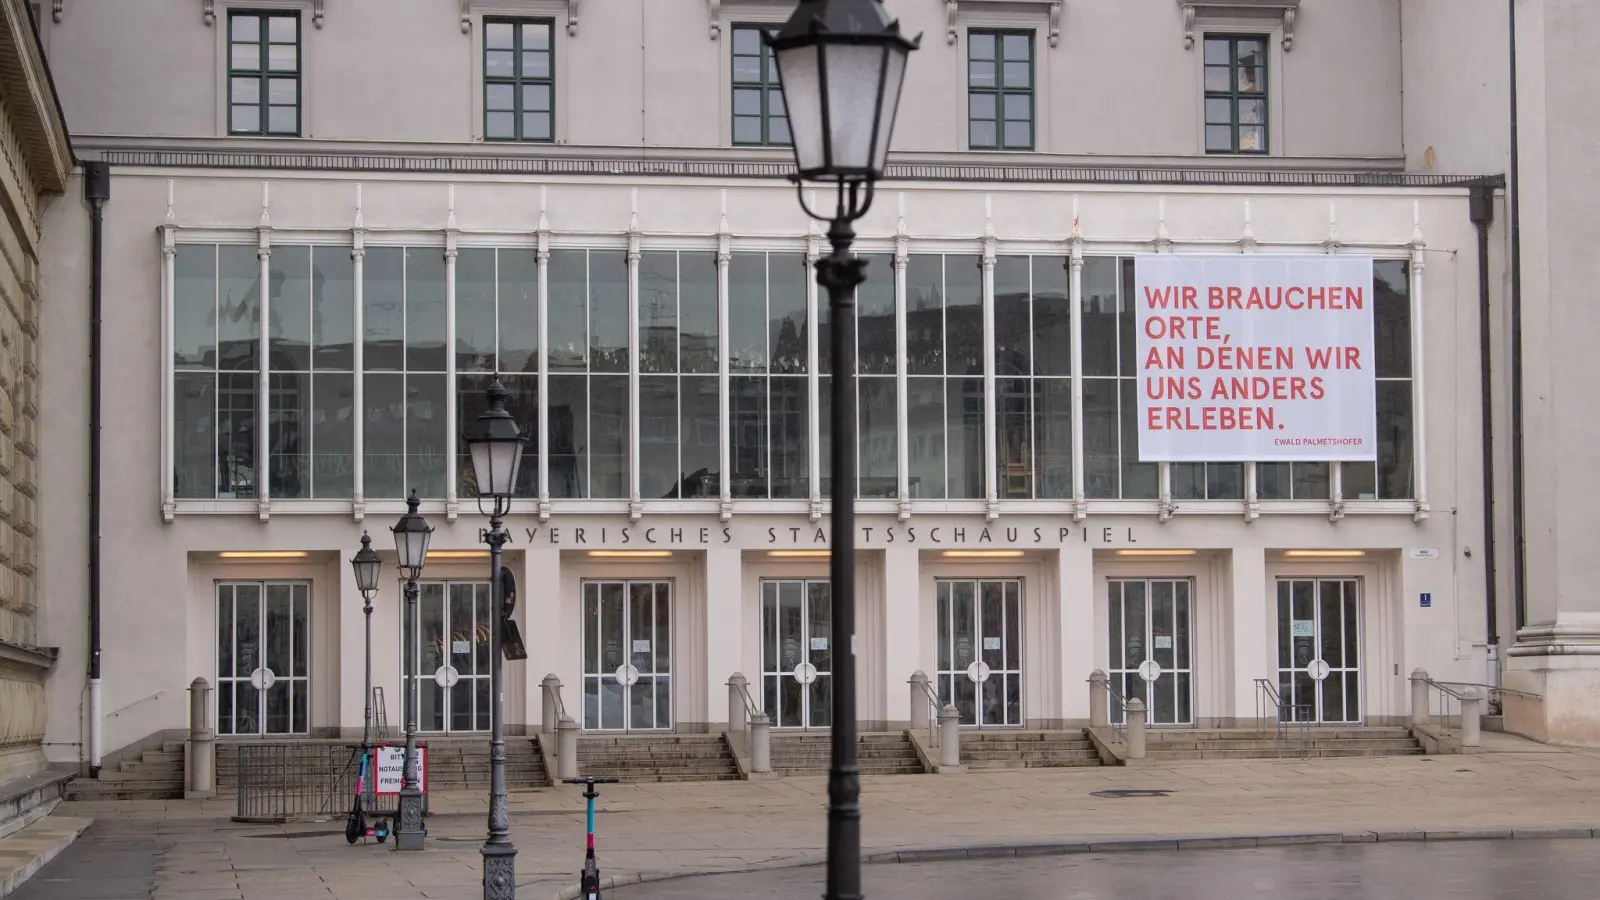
(1100, 307)
(1394, 440)
(289, 436)
(1224, 481)
(982, 106)
(1019, 135)
(1013, 327)
(333, 319)
(699, 433)
(569, 291)
(1016, 47)
(569, 436)
(747, 312)
(1218, 52)
(608, 436)
(1101, 474)
(790, 427)
(925, 315)
(1140, 480)
(194, 439)
(425, 434)
(332, 435)
(875, 335)
(963, 320)
(1391, 317)
(658, 316)
(1273, 481)
(383, 308)
(1188, 481)
(500, 125)
(289, 309)
(475, 310)
(983, 134)
(1014, 438)
(747, 130)
(786, 312)
(697, 312)
(1219, 138)
(964, 408)
(236, 435)
(383, 450)
(239, 308)
(194, 306)
(925, 438)
(1052, 316)
(981, 73)
(518, 293)
(1016, 74)
(1052, 435)
(878, 411)
(1127, 324)
(747, 435)
(1219, 78)
(659, 473)
(1311, 481)
(425, 312)
(1219, 111)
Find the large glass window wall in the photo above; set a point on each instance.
(277, 410)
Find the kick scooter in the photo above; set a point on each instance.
(355, 826)
(589, 884)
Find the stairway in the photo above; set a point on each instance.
(1026, 749)
(156, 775)
(1168, 745)
(877, 754)
(454, 764)
(663, 757)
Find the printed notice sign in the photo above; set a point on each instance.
(1255, 358)
(391, 769)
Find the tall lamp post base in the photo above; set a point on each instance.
(499, 871)
(410, 834)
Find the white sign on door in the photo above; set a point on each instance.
(391, 769)
(1258, 357)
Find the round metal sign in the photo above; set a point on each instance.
(446, 676)
(627, 675)
(1149, 670)
(978, 672)
(263, 679)
(1317, 669)
(805, 673)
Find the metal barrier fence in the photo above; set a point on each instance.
(300, 781)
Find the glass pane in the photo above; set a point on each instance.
(658, 312)
(875, 328)
(1252, 79)
(383, 312)
(1273, 481)
(1139, 480)
(536, 97)
(1219, 78)
(747, 41)
(1019, 135)
(283, 28)
(1352, 632)
(283, 57)
(1252, 112)
(1017, 74)
(225, 631)
(1181, 613)
(236, 436)
(1189, 481)
(787, 278)
(1014, 437)
(498, 35)
(964, 410)
(746, 69)
(981, 73)
(245, 90)
(981, 106)
(980, 45)
(925, 418)
(536, 126)
(659, 473)
(194, 321)
(925, 315)
(1311, 481)
(1394, 441)
(697, 312)
(289, 436)
(1012, 320)
(475, 310)
(383, 459)
(747, 312)
(536, 64)
(518, 301)
(1052, 435)
(1359, 481)
(790, 431)
(1220, 111)
(499, 97)
(194, 435)
(1330, 602)
(567, 309)
(245, 57)
(963, 320)
(700, 437)
(332, 435)
(1225, 481)
(747, 435)
(1218, 51)
(1285, 633)
(608, 436)
(425, 310)
(245, 119)
(1100, 306)
(499, 64)
(245, 28)
(983, 135)
(608, 311)
(1391, 314)
(569, 436)
(283, 119)
(425, 434)
(1016, 47)
(878, 413)
(239, 315)
(1253, 139)
(1219, 139)
(500, 125)
(747, 129)
(536, 36)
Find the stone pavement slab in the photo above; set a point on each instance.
(651, 831)
(30, 848)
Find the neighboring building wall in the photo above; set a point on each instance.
(33, 144)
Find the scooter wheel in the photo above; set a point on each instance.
(352, 830)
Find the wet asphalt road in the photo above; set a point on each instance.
(1454, 870)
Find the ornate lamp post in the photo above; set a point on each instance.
(841, 64)
(496, 444)
(411, 535)
(366, 564)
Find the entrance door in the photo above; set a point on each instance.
(1151, 656)
(1319, 649)
(263, 635)
(980, 650)
(627, 655)
(447, 656)
(796, 625)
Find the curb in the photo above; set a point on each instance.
(1115, 845)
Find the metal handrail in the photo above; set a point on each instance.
(1121, 728)
(561, 706)
(1446, 691)
(751, 710)
(933, 711)
(1496, 693)
(124, 709)
(1267, 695)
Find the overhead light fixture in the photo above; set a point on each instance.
(1325, 554)
(458, 554)
(981, 554)
(1156, 553)
(264, 554)
(629, 554)
(800, 554)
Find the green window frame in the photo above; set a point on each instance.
(264, 67)
(1236, 94)
(519, 79)
(1000, 85)
(760, 117)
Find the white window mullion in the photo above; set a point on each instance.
(990, 493)
(451, 501)
(542, 256)
(1080, 506)
(358, 253)
(264, 384)
(169, 253)
(1419, 409)
(724, 415)
(902, 258)
(814, 374)
(635, 508)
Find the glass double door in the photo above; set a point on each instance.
(1151, 655)
(263, 644)
(980, 649)
(1319, 649)
(447, 656)
(627, 655)
(796, 659)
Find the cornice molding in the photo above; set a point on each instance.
(40, 658)
(1286, 10)
(31, 102)
(952, 9)
(572, 6)
(208, 12)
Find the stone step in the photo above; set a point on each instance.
(967, 754)
(90, 789)
(172, 747)
(635, 772)
(653, 779)
(650, 739)
(1334, 744)
(1023, 746)
(1014, 763)
(156, 756)
(1310, 753)
(1254, 734)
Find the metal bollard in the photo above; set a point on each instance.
(919, 700)
(760, 744)
(202, 761)
(949, 737)
(736, 711)
(1136, 723)
(1471, 718)
(547, 717)
(567, 748)
(1419, 698)
(1099, 700)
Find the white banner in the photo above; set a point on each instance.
(1255, 358)
(391, 765)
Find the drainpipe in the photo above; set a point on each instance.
(1482, 214)
(1518, 551)
(97, 190)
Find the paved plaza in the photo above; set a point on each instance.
(190, 850)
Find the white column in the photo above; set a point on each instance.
(635, 508)
(264, 347)
(546, 632)
(906, 649)
(724, 623)
(1419, 394)
(352, 648)
(724, 450)
(990, 493)
(1075, 319)
(1253, 622)
(451, 417)
(358, 253)
(902, 258)
(1078, 635)
(542, 255)
(169, 252)
(813, 380)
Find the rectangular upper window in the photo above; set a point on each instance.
(1000, 90)
(760, 118)
(1236, 93)
(264, 73)
(518, 80)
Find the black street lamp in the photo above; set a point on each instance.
(366, 564)
(411, 535)
(840, 65)
(496, 444)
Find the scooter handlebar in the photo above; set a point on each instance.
(590, 780)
